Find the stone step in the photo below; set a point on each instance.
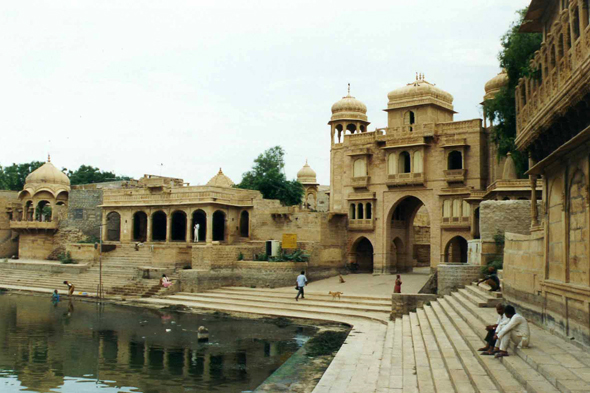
(476, 300)
(385, 367)
(423, 368)
(453, 365)
(489, 297)
(440, 374)
(278, 291)
(563, 364)
(296, 306)
(410, 376)
(308, 296)
(309, 300)
(486, 289)
(521, 371)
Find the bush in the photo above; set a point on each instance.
(296, 256)
(496, 264)
(65, 258)
(90, 240)
(261, 257)
(241, 256)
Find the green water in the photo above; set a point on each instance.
(83, 347)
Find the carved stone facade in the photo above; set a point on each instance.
(553, 125)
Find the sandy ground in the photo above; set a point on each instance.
(367, 284)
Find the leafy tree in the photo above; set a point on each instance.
(13, 177)
(87, 174)
(267, 176)
(517, 50)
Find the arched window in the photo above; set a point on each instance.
(466, 209)
(418, 162)
(43, 212)
(392, 163)
(360, 168)
(351, 128)
(199, 225)
(456, 208)
(339, 130)
(455, 160)
(140, 226)
(360, 214)
(352, 211)
(244, 224)
(447, 208)
(576, 23)
(363, 128)
(404, 163)
(368, 211)
(409, 119)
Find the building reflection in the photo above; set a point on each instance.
(45, 345)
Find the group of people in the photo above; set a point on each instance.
(509, 325)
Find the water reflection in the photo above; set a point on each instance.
(79, 346)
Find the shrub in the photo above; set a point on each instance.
(90, 240)
(261, 257)
(65, 258)
(241, 256)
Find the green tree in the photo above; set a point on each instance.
(267, 176)
(87, 174)
(517, 50)
(13, 177)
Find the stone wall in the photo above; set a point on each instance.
(454, 276)
(403, 304)
(505, 216)
(83, 212)
(36, 245)
(8, 243)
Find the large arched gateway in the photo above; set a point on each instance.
(408, 235)
(363, 250)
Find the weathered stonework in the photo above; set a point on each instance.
(403, 304)
(454, 276)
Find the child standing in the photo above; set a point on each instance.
(398, 285)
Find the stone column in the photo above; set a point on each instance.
(149, 227)
(168, 227)
(104, 226)
(533, 179)
(188, 228)
(209, 233)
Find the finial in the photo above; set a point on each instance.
(48, 157)
(306, 161)
(220, 170)
(349, 89)
(416, 76)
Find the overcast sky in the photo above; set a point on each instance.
(196, 85)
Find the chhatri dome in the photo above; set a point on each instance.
(47, 175)
(220, 180)
(494, 85)
(306, 175)
(349, 108)
(419, 92)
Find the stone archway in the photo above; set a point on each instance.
(140, 226)
(113, 226)
(178, 226)
(408, 235)
(456, 250)
(200, 219)
(363, 250)
(159, 226)
(219, 226)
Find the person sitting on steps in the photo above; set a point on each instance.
(491, 279)
(517, 329)
(492, 329)
(165, 281)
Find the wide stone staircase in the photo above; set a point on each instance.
(431, 350)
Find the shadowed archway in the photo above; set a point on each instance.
(456, 250)
(363, 250)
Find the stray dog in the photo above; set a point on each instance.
(341, 279)
(335, 294)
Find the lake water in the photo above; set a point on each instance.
(84, 347)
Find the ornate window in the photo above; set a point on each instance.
(418, 162)
(360, 168)
(455, 160)
(404, 162)
(392, 163)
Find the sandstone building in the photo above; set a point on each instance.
(548, 272)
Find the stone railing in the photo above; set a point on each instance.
(405, 179)
(455, 222)
(174, 197)
(361, 225)
(561, 71)
(455, 175)
(360, 181)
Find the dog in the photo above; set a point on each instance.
(341, 279)
(335, 294)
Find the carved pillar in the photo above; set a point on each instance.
(149, 227)
(104, 225)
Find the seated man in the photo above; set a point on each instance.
(491, 279)
(516, 328)
(492, 329)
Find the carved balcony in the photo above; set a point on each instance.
(361, 225)
(360, 181)
(405, 179)
(455, 175)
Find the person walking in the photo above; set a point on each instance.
(398, 285)
(301, 281)
(70, 287)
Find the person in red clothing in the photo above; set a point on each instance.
(398, 285)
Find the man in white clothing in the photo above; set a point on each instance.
(301, 281)
(517, 329)
(492, 330)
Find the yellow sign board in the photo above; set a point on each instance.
(289, 240)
